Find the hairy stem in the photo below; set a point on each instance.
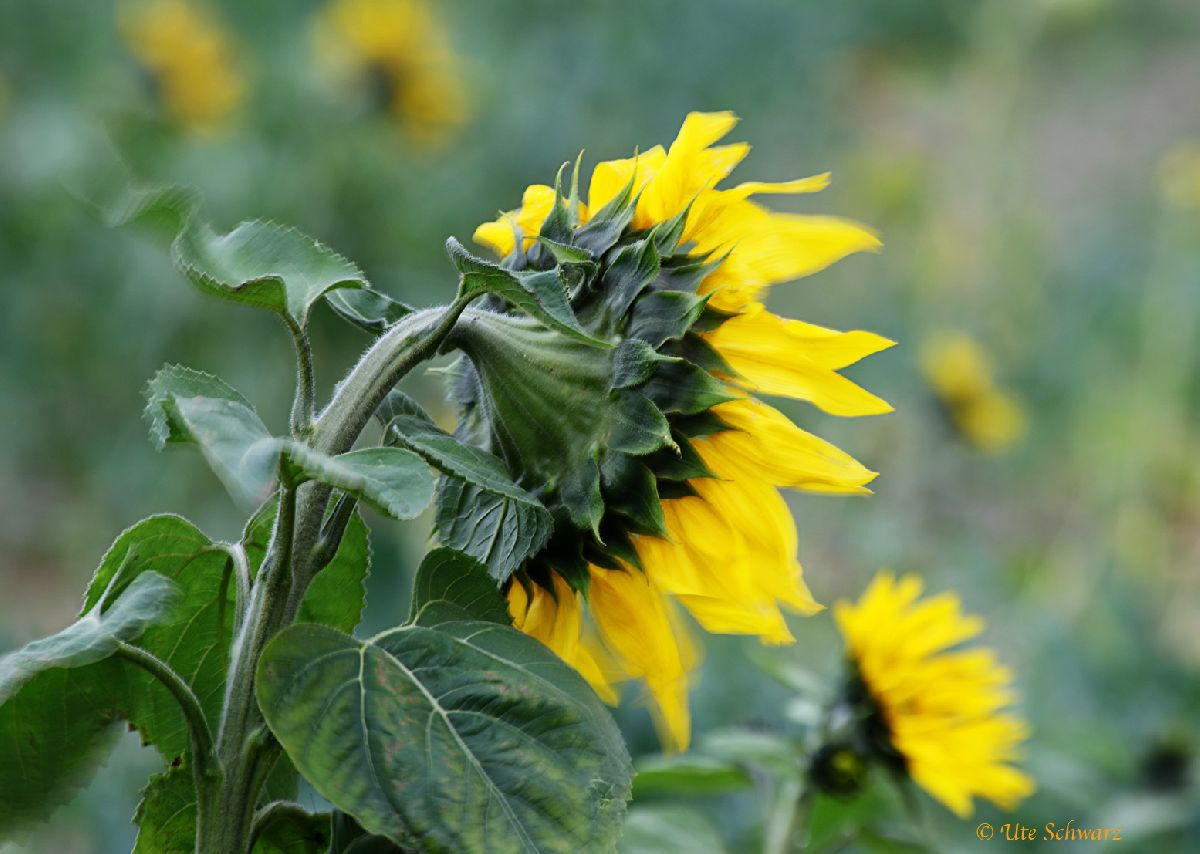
(206, 767)
(305, 404)
(302, 543)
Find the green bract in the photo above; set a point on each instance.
(594, 419)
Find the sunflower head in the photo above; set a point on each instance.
(188, 55)
(400, 53)
(634, 416)
(920, 706)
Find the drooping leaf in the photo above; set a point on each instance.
(338, 594)
(395, 482)
(176, 380)
(368, 309)
(191, 406)
(470, 736)
(193, 638)
(541, 293)
(96, 634)
(450, 578)
(264, 264)
(481, 511)
(59, 697)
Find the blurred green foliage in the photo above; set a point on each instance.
(1010, 153)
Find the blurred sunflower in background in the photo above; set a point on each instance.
(189, 57)
(658, 461)
(398, 51)
(963, 378)
(923, 708)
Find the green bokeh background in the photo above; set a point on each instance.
(1008, 151)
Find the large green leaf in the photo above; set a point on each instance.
(539, 293)
(264, 264)
(395, 482)
(480, 510)
(59, 697)
(449, 582)
(338, 595)
(467, 737)
(193, 639)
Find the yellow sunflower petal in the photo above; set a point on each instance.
(633, 618)
(765, 444)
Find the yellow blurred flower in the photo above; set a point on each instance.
(943, 708)
(402, 42)
(189, 56)
(726, 551)
(961, 376)
(1179, 175)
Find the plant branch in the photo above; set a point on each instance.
(206, 766)
(305, 404)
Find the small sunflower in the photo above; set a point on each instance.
(963, 378)
(190, 57)
(656, 457)
(403, 46)
(925, 708)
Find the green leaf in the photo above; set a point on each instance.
(95, 635)
(295, 831)
(687, 775)
(338, 594)
(667, 829)
(264, 264)
(450, 578)
(176, 380)
(166, 814)
(395, 482)
(59, 697)
(485, 514)
(541, 294)
(368, 309)
(470, 736)
(191, 406)
(193, 638)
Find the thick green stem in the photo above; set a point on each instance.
(300, 547)
(206, 767)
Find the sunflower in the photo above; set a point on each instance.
(963, 378)
(932, 712)
(190, 57)
(656, 456)
(401, 44)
